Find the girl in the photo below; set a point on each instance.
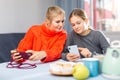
(89, 41)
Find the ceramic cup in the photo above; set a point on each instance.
(100, 57)
(93, 65)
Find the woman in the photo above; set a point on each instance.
(89, 41)
(44, 41)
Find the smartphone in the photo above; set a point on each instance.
(25, 55)
(73, 49)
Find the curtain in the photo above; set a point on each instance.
(68, 6)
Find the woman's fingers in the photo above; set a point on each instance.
(13, 51)
(15, 56)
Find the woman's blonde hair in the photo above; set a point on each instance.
(53, 11)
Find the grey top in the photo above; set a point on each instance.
(95, 41)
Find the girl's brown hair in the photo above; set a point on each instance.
(78, 12)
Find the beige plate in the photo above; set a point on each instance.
(60, 73)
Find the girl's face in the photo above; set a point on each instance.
(78, 24)
(57, 23)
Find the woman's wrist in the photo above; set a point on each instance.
(43, 55)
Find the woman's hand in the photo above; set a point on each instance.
(36, 55)
(15, 56)
(85, 52)
(72, 57)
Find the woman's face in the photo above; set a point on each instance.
(57, 23)
(78, 24)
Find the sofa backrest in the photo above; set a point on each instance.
(8, 41)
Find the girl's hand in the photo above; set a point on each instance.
(85, 52)
(36, 55)
(72, 57)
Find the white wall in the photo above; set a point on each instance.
(19, 15)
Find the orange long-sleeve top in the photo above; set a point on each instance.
(39, 37)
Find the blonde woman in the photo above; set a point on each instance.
(44, 41)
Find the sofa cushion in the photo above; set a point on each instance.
(8, 41)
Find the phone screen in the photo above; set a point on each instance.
(73, 49)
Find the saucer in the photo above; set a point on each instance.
(60, 73)
(61, 68)
(113, 77)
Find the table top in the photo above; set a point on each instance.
(41, 72)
